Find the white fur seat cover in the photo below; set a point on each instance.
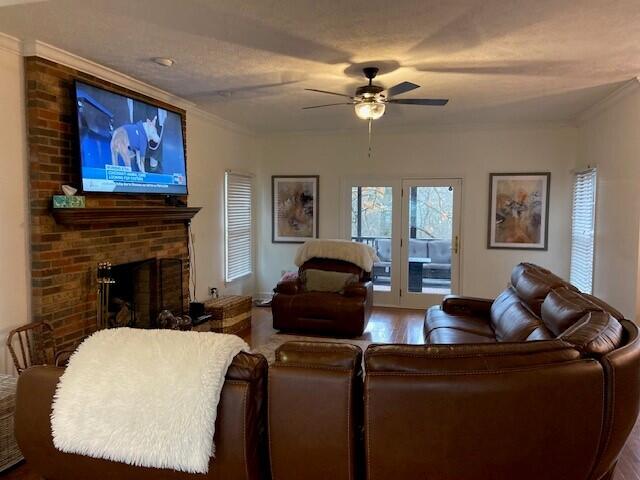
(359, 254)
(144, 397)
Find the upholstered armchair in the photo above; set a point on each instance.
(343, 313)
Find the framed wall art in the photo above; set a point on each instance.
(519, 210)
(294, 208)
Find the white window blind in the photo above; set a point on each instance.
(238, 195)
(583, 230)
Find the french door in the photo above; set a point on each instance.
(374, 220)
(430, 243)
(413, 224)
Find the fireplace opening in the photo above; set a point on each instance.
(143, 289)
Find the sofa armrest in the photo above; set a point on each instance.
(289, 286)
(456, 305)
(330, 355)
(359, 289)
(240, 429)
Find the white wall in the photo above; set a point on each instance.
(212, 149)
(14, 216)
(609, 139)
(470, 153)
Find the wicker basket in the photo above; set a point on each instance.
(230, 314)
(9, 452)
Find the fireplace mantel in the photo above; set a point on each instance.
(92, 216)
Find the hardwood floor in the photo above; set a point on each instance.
(387, 325)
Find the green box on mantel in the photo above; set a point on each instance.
(64, 201)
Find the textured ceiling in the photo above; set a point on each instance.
(249, 60)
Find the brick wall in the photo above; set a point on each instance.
(64, 258)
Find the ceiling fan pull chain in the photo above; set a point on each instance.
(370, 121)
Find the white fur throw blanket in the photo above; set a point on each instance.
(357, 253)
(144, 397)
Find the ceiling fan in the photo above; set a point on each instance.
(370, 101)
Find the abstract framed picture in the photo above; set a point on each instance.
(294, 208)
(519, 210)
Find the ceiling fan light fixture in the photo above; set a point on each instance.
(370, 110)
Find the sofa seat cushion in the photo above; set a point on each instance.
(437, 318)
(447, 335)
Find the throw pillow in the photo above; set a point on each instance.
(325, 281)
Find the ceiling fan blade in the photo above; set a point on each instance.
(434, 102)
(330, 93)
(401, 88)
(327, 105)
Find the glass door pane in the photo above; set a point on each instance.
(372, 223)
(430, 241)
(430, 238)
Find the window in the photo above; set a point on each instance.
(583, 230)
(238, 241)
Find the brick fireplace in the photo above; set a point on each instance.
(64, 257)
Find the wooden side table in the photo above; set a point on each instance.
(228, 314)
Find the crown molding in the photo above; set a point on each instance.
(614, 97)
(10, 44)
(36, 48)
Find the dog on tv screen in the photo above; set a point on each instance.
(127, 145)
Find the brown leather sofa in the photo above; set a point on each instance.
(527, 411)
(537, 305)
(240, 438)
(341, 314)
(542, 382)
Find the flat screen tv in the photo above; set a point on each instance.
(128, 146)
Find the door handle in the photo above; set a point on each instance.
(456, 244)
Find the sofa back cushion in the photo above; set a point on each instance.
(439, 251)
(383, 249)
(443, 359)
(510, 319)
(418, 248)
(563, 307)
(334, 266)
(326, 281)
(533, 283)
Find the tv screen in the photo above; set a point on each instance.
(128, 146)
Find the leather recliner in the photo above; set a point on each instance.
(341, 314)
(240, 435)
